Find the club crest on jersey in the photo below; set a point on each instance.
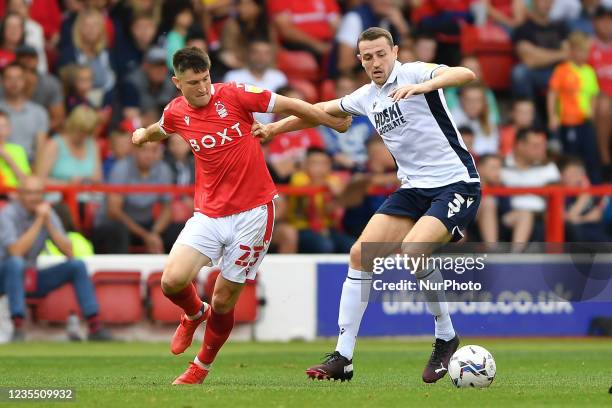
(220, 108)
(390, 118)
(186, 119)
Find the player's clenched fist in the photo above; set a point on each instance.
(261, 131)
(343, 123)
(139, 137)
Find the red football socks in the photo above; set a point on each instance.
(187, 299)
(218, 329)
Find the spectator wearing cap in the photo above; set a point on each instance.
(259, 72)
(29, 120)
(600, 58)
(34, 34)
(41, 87)
(540, 44)
(149, 88)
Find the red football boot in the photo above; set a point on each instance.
(193, 375)
(184, 332)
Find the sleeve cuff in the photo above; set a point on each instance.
(431, 74)
(350, 112)
(271, 103)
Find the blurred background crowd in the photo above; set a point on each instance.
(78, 76)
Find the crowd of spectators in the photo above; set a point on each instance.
(78, 76)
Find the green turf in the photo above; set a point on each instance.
(541, 372)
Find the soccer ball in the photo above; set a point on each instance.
(471, 366)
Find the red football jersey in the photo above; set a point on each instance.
(600, 58)
(230, 170)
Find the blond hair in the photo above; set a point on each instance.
(76, 30)
(579, 40)
(82, 119)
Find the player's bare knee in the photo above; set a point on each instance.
(172, 282)
(355, 256)
(222, 303)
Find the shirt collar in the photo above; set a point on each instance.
(212, 89)
(393, 75)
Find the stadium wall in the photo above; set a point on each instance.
(302, 295)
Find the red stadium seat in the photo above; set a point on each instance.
(119, 296)
(492, 46)
(327, 90)
(90, 210)
(298, 64)
(306, 88)
(247, 305)
(57, 305)
(160, 308)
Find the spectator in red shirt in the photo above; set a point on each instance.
(12, 34)
(287, 151)
(443, 18)
(600, 59)
(305, 24)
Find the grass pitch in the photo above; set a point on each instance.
(531, 372)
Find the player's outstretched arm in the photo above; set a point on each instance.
(443, 77)
(312, 114)
(153, 133)
(292, 123)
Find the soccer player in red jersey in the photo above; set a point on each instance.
(234, 210)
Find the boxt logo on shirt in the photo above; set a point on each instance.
(219, 139)
(390, 118)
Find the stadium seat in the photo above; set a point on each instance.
(306, 88)
(247, 305)
(90, 210)
(327, 90)
(119, 296)
(492, 46)
(298, 65)
(159, 307)
(56, 306)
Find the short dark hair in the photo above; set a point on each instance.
(374, 33)
(466, 130)
(315, 149)
(523, 134)
(4, 114)
(489, 156)
(13, 64)
(190, 58)
(566, 161)
(518, 100)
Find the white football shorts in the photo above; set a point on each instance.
(237, 243)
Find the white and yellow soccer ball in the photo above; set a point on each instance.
(472, 366)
